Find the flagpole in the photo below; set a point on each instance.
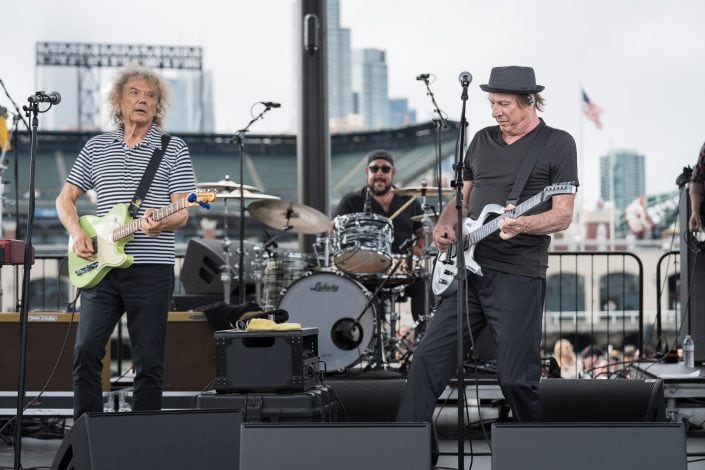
(581, 169)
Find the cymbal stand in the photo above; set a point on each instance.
(225, 273)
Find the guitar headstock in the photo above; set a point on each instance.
(559, 188)
(202, 198)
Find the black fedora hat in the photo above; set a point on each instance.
(512, 79)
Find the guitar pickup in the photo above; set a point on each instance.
(447, 273)
(87, 268)
(442, 281)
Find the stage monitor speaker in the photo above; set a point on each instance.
(147, 441)
(587, 446)
(189, 358)
(579, 400)
(203, 261)
(368, 400)
(342, 446)
(46, 333)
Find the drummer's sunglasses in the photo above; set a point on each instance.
(385, 169)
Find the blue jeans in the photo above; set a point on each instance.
(144, 293)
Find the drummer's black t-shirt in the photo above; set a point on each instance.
(404, 228)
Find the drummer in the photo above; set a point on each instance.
(378, 197)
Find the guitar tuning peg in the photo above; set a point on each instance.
(205, 205)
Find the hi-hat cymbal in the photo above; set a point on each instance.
(419, 218)
(227, 185)
(420, 191)
(286, 215)
(235, 194)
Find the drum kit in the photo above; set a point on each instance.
(348, 287)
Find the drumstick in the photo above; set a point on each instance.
(404, 206)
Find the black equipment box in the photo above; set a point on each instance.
(266, 361)
(318, 404)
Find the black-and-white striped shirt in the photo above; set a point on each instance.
(114, 171)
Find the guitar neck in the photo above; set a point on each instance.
(128, 229)
(490, 227)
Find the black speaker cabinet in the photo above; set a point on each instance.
(339, 446)
(46, 334)
(146, 441)
(576, 400)
(587, 446)
(189, 358)
(368, 400)
(200, 272)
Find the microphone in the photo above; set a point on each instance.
(367, 207)
(41, 97)
(271, 104)
(465, 78)
(423, 76)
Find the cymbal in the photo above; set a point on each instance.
(227, 185)
(235, 194)
(419, 191)
(286, 215)
(418, 218)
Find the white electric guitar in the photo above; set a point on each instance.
(445, 268)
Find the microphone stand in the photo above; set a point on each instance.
(439, 123)
(460, 275)
(239, 139)
(33, 114)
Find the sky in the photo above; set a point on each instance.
(641, 61)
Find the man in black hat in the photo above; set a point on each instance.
(378, 197)
(508, 294)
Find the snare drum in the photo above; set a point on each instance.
(362, 243)
(279, 272)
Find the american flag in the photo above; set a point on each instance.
(591, 110)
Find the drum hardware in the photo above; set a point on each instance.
(230, 190)
(286, 215)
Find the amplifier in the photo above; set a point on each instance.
(266, 361)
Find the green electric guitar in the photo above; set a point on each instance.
(111, 232)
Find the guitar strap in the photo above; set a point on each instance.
(148, 177)
(532, 156)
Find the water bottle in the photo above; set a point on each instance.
(689, 352)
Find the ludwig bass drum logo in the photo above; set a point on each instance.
(325, 287)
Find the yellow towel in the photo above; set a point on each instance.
(262, 324)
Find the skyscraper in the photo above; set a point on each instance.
(340, 97)
(369, 83)
(622, 177)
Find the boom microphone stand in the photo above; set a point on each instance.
(33, 114)
(465, 79)
(439, 123)
(239, 139)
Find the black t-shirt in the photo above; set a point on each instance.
(404, 228)
(492, 166)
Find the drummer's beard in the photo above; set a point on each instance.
(380, 192)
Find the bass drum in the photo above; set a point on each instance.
(332, 302)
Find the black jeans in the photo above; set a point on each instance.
(512, 307)
(143, 292)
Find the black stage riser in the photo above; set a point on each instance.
(579, 400)
(368, 400)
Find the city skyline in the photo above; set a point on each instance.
(633, 58)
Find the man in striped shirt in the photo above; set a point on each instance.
(112, 164)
